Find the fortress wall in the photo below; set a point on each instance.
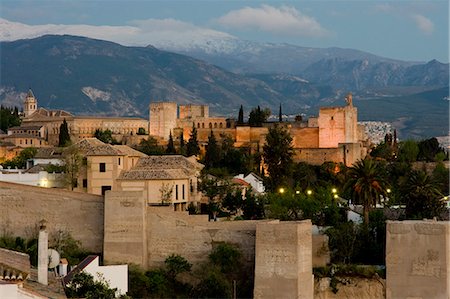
(318, 156)
(305, 137)
(81, 214)
(418, 259)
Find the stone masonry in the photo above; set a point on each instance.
(418, 260)
(283, 261)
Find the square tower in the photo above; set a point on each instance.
(163, 118)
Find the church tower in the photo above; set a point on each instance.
(30, 104)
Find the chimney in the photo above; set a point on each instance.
(43, 253)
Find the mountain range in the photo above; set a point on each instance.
(88, 76)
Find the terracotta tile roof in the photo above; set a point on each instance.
(14, 265)
(94, 147)
(25, 128)
(162, 167)
(128, 151)
(49, 152)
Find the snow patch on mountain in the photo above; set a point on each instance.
(96, 94)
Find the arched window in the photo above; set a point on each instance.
(215, 125)
(220, 125)
(210, 125)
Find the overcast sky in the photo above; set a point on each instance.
(407, 30)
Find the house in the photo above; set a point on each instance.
(255, 181)
(115, 275)
(101, 164)
(168, 179)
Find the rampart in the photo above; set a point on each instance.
(81, 214)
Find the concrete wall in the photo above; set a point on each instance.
(283, 261)
(22, 207)
(418, 259)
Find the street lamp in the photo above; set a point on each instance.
(334, 190)
(309, 192)
(281, 190)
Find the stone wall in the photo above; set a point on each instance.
(283, 262)
(81, 214)
(418, 259)
(351, 288)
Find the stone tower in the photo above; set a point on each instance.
(163, 118)
(30, 104)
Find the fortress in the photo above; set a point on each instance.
(333, 136)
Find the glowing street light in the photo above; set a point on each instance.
(334, 190)
(388, 190)
(281, 190)
(297, 192)
(336, 196)
(309, 192)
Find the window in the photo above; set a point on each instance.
(119, 161)
(105, 188)
(102, 167)
(176, 192)
(332, 117)
(84, 183)
(182, 192)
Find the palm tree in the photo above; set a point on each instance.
(422, 196)
(366, 183)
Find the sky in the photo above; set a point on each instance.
(406, 30)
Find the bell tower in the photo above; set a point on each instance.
(30, 104)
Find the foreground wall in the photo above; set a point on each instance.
(418, 259)
(283, 266)
(81, 214)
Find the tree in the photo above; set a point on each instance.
(176, 264)
(166, 192)
(83, 285)
(192, 147)
(227, 257)
(241, 116)
(20, 161)
(428, 149)
(105, 136)
(212, 155)
(408, 151)
(182, 145)
(72, 160)
(170, 146)
(366, 184)
(382, 150)
(150, 146)
(9, 117)
(257, 116)
(422, 196)
(280, 115)
(278, 156)
(141, 131)
(64, 136)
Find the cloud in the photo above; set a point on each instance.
(423, 23)
(283, 20)
(157, 32)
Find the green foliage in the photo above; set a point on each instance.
(170, 149)
(227, 257)
(83, 285)
(252, 207)
(73, 161)
(232, 201)
(192, 147)
(20, 161)
(240, 120)
(64, 136)
(428, 149)
(408, 151)
(68, 247)
(441, 177)
(278, 154)
(55, 168)
(176, 264)
(20, 244)
(212, 155)
(257, 117)
(9, 117)
(213, 285)
(422, 196)
(141, 131)
(366, 183)
(105, 136)
(383, 150)
(150, 147)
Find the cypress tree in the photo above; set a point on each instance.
(280, 115)
(241, 116)
(64, 137)
(182, 145)
(170, 147)
(212, 155)
(192, 147)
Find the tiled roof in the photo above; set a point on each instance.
(49, 152)
(162, 167)
(37, 168)
(80, 267)
(128, 151)
(14, 265)
(40, 112)
(94, 147)
(25, 128)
